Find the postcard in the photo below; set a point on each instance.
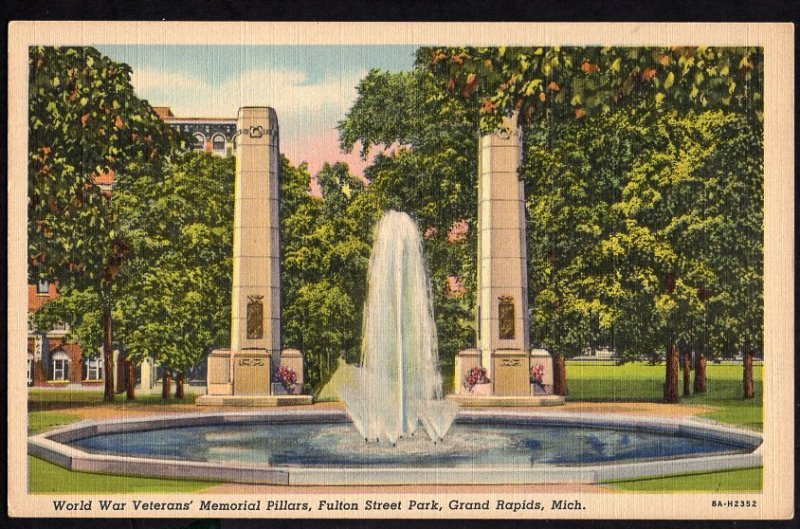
(384, 270)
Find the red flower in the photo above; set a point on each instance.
(537, 373)
(476, 375)
(287, 377)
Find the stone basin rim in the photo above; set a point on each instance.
(51, 447)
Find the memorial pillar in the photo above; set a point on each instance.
(503, 320)
(256, 299)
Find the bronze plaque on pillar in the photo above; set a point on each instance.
(255, 317)
(506, 316)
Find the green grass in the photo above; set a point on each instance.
(46, 478)
(640, 382)
(57, 399)
(745, 480)
(41, 421)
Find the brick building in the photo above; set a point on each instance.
(55, 362)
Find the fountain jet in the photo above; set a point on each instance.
(398, 386)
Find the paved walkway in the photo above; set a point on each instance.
(123, 410)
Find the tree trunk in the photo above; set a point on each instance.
(687, 376)
(671, 383)
(166, 380)
(108, 356)
(560, 376)
(700, 374)
(130, 380)
(179, 386)
(39, 373)
(749, 391)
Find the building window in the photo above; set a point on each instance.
(43, 287)
(218, 144)
(60, 366)
(199, 142)
(93, 369)
(30, 370)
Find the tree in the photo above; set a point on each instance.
(323, 273)
(427, 167)
(573, 82)
(637, 280)
(177, 284)
(86, 126)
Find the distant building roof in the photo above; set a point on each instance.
(199, 120)
(163, 112)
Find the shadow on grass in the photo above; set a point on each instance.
(64, 399)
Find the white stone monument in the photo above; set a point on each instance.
(503, 321)
(246, 369)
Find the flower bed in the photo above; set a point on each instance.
(475, 376)
(286, 376)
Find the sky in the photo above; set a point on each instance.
(310, 87)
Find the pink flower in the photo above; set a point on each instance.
(455, 286)
(287, 377)
(459, 231)
(537, 373)
(476, 375)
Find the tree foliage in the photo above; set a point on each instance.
(632, 240)
(86, 127)
(573, 82)
(176, 288)
(426, 167)
(323, 275)
(85, 124)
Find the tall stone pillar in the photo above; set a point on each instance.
(503, 320)
(256, 300)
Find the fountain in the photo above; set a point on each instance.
(397, 389)
(398, 386)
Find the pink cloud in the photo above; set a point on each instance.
(321, 148)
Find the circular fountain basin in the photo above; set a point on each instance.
(323, 448)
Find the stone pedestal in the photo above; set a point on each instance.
(540, 356)
(510, 372)
(503, 321)
(293, 359)
(218, 375)
(147, 376)
(252, 372)
(465, 360)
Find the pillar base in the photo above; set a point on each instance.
(255, 401)
(497, 401)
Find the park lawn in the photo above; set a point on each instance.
(641, 382)
(48, 409)
(49, 399)
(47, 478)
(41, 421)
(744, 480)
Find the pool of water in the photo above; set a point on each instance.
(338, 445)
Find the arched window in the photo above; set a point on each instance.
(218, 144)
(30, 369)
(199, 142)
(60, 365)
